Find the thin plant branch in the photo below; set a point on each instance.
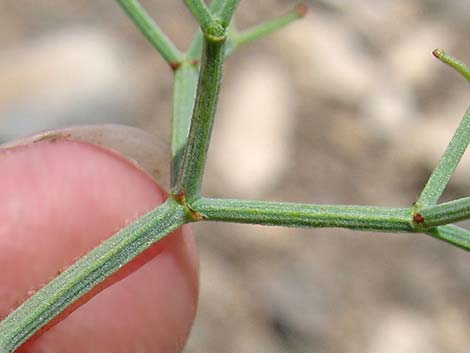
(446, 213)
(305, 215)
(194, 50)
(89, 271)
(262, 30)
(452, 234)
(441, 175)
(204, 16)
(189, 153)
(456, 64)
(184, 92)
(371, 218)
(192, 167)
(186, 79)
(151, 31)
(226, 11)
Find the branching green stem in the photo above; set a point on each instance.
(380, 219)
(194, 50)
(201, 12)
(190, 177)
(262, 30)
(216, 6)
(453, 235)
(89, 271)
(184, 93)
(186, 80)
(305, 215)
(446, 213)
(210, 25)
(186, 204)
(151, 31)
(447, 165)
(226, 11)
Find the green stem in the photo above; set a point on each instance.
(88, 272)
(194, 50)
(191, 173)
(456, 64)
(226, 11)
(186, 79)
(216, 6)
(151, 31)
(305, 215)
(263, 29)
(380, 219)
(209, 24)
(447, 165)
(446, 213)
(452, 234)
(184, 93)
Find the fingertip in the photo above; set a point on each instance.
(61, 199)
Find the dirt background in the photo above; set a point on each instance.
(346, 106)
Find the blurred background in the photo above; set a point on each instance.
(346, 106)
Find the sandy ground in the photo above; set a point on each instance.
(346, 106)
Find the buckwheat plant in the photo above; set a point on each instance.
(198, 74)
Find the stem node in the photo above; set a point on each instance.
(418, 218)
(175, 65)
(180, 197)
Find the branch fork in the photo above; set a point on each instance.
(196, 92)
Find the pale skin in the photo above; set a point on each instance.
(59, 199)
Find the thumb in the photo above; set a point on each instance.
(58, 201)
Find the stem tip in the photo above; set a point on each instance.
(456, 64)
(437, 53)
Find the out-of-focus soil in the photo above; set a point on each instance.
(347, 106)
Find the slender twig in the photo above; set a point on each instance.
(151, 31)
(194, 50)
(446, 213)
(200, 11)
(447, 165)
(184, 92)
(380, 219)
(190, 177)
(456, 64)
(186, 205)
(89, 271)
(209, 24)
(226, 11)
(305, 215)
(262, 30)
(216, 6)
(453, 235)
(186, 79)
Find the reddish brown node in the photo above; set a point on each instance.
(175, 65)
(418, 218)
(180, 197)
(195, 62)
(302, 10)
